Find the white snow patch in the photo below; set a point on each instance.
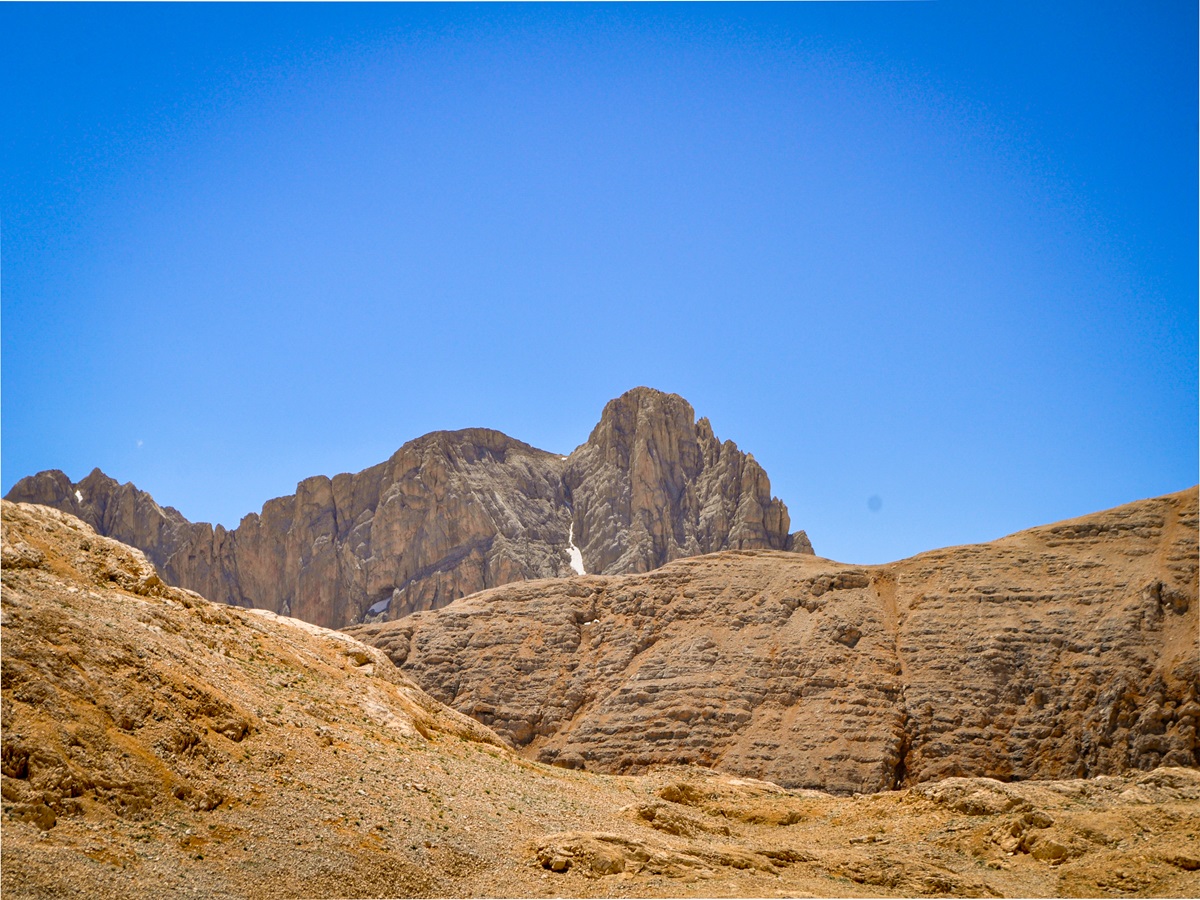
(576, 553)
(79, 496)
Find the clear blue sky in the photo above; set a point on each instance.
(933, 264)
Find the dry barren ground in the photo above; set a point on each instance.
(155, 744)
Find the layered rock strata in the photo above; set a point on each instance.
(452, 513)
(1064, 651)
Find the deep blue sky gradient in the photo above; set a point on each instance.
(939, 254)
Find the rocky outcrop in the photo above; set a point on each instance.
(1063, 651)
(452, 513)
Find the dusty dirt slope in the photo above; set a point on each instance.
(156, 745)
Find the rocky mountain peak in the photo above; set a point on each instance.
(470, 444)
(652, 485)
(454, 512)
(646, 418)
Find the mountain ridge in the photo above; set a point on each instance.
(454, 512)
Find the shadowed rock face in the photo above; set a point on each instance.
(452, 513)
(1060, 652)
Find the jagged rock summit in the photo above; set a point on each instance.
(452, 513)
(652, 485)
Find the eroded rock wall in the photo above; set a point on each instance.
(1063, 651)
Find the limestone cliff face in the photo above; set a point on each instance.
(1064, 651)
(452, 513)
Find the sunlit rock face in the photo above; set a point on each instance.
(452, 513)
(1065, 651)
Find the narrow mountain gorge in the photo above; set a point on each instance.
(452, 513)
(1065, 651)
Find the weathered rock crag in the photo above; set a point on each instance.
(452, 513)
(1064, 651)
(652, 485)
